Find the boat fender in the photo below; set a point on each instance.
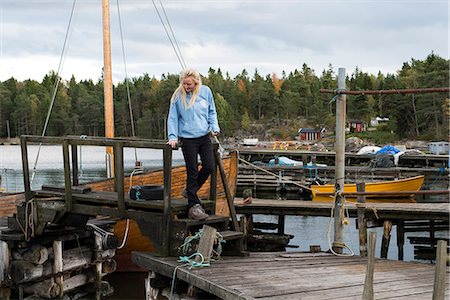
(147, 192)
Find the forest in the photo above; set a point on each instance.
(276, 104)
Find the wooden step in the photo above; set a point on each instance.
(231, 235)
(212, 219)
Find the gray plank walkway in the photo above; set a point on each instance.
(294, 275)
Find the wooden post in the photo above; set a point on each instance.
(400, 238)
(58, 264)
(387, 227)
(167, 218)
(281, 222)
(340, 160)
(440, 270)
(119, 178)
(98, 267)
(206, 243)
(67, 182)
(362, 222)
(5, 292)
(26, 170)
(107, 86)
(73, 149)
(368, 283)
(213, 180)
(230, 200)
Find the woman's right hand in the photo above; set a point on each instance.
(173, 143)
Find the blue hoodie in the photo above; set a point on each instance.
(195, 121)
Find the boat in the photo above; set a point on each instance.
(401, 189)
(136, 241)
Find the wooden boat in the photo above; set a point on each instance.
(402, 189)
(138, 242)
(135, 240)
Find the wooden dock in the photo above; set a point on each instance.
(388, 210)
(293, 275)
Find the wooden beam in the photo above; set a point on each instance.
(362, 222)
(439, 275)
(368, 283)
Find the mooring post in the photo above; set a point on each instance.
(368, 284)
(439, 274)
(362, 222)
(400, 238)
(340, 161)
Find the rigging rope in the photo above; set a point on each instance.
(273, 174)
(133, 132)
(55, 89)
(175, 48)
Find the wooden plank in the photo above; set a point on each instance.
(294, 275)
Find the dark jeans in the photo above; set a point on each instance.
(195, 179)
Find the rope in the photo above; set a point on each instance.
(178, 54)
(273, 174)
(127, 226)
(187, 261)
(133, 132)
(344, 222)
(55, 89)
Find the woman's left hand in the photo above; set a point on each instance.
(215, 133)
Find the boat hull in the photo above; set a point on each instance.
(379, 191)
(136, 241)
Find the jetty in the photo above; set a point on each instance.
(292, 275)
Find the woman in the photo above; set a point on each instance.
(192, 116)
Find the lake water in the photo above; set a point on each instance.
(49, 170)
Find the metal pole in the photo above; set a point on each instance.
(340, 161)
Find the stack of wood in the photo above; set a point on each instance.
(68, 266)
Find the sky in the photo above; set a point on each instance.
(267, 36)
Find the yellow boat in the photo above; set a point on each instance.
(401, 189)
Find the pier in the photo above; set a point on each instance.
(299, 276)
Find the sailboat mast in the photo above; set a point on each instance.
(107, 86)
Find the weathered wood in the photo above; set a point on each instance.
(368, 283)
(387, 227)
(5, 292)
(295, 272)
(362, 222)
(58, 263)
(22, 271)
(393, 211)
(36, 255)
(439, 275)
(206, 243)
(46, 289)
(5, 257)
(400, 238)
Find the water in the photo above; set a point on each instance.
(50, 167)
(306, 230)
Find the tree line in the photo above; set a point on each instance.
(279, 103)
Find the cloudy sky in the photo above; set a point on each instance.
(270, 36)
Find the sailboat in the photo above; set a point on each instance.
(130, 230)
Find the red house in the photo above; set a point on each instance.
(310, 134)
(356, 125)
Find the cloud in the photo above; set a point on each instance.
(270, 36)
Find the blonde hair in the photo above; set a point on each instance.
(180, 91)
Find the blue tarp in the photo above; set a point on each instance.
(388, 150)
